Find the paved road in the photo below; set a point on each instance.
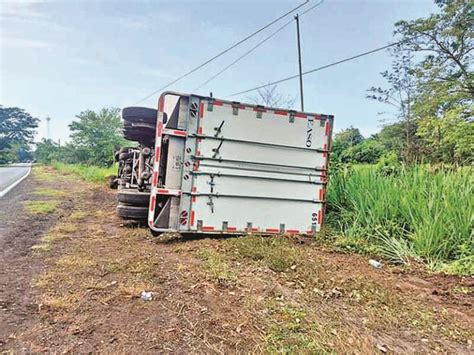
(11, 173)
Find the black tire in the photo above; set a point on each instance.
(121, 151)
(133, 197)
(113, 182)
(141, 126)
(125, 156)
(132, 212)
(144, 138)
(155, 233)
(116, 156)
(139, 114)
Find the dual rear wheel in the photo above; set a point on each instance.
(138, 126)
(133, 204)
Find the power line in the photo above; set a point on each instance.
(319, 68)
(223, 52)
(255, 47)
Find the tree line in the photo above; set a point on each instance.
(93, 138)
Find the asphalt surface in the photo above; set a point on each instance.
(12, 173)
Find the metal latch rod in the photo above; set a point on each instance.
(257, 163)
(203, 136)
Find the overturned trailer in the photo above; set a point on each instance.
(228, 167)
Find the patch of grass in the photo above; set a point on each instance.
(114, 266)
(275, 252)
(462, 289)
(60, 303)
(95, 284)
(292, 333)
(103, 214)
(44, 280)
(51, 237)
(65, 228)
(41, 207)
(74, 262)
(43, 247)
(354, 245)
(463, 266)
(43, 191)
(77, 215)
(415, 212)
(363, 291)
(58, 232)
(216, 267)
(142, 269)
(43, 173)
(95, 174)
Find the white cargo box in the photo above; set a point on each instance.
(228, 167)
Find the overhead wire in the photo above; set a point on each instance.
(318, 68)
(254, 48)
(222, 53)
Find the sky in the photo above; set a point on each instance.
(58, 58)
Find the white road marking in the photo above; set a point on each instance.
(11, 186)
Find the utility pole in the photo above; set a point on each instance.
(297, 18)
(47, 128)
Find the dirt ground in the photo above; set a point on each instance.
(72, 274)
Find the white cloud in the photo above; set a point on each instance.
(20, 9)
(27, 12)
(148, 21)
(16, 42)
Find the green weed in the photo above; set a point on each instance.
(49, 192)
(276, 253)
(216, 267)
(292, 333)
(95, 174)
(463, 266)
(41, 207)
(416, 212)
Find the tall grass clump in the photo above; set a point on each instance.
(415, 212)
(89, 173)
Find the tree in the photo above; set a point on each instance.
(268, 96)
(46, 151)
(450, 138)
(95, 134)
(443, 103)
(393, 139)
(344, 140)
(17, 129)
(446, 41)
(400, 94)
(366, 152)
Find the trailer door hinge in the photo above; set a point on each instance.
(216, 150)
(211, 204)
(218, 129)
(211, 183)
